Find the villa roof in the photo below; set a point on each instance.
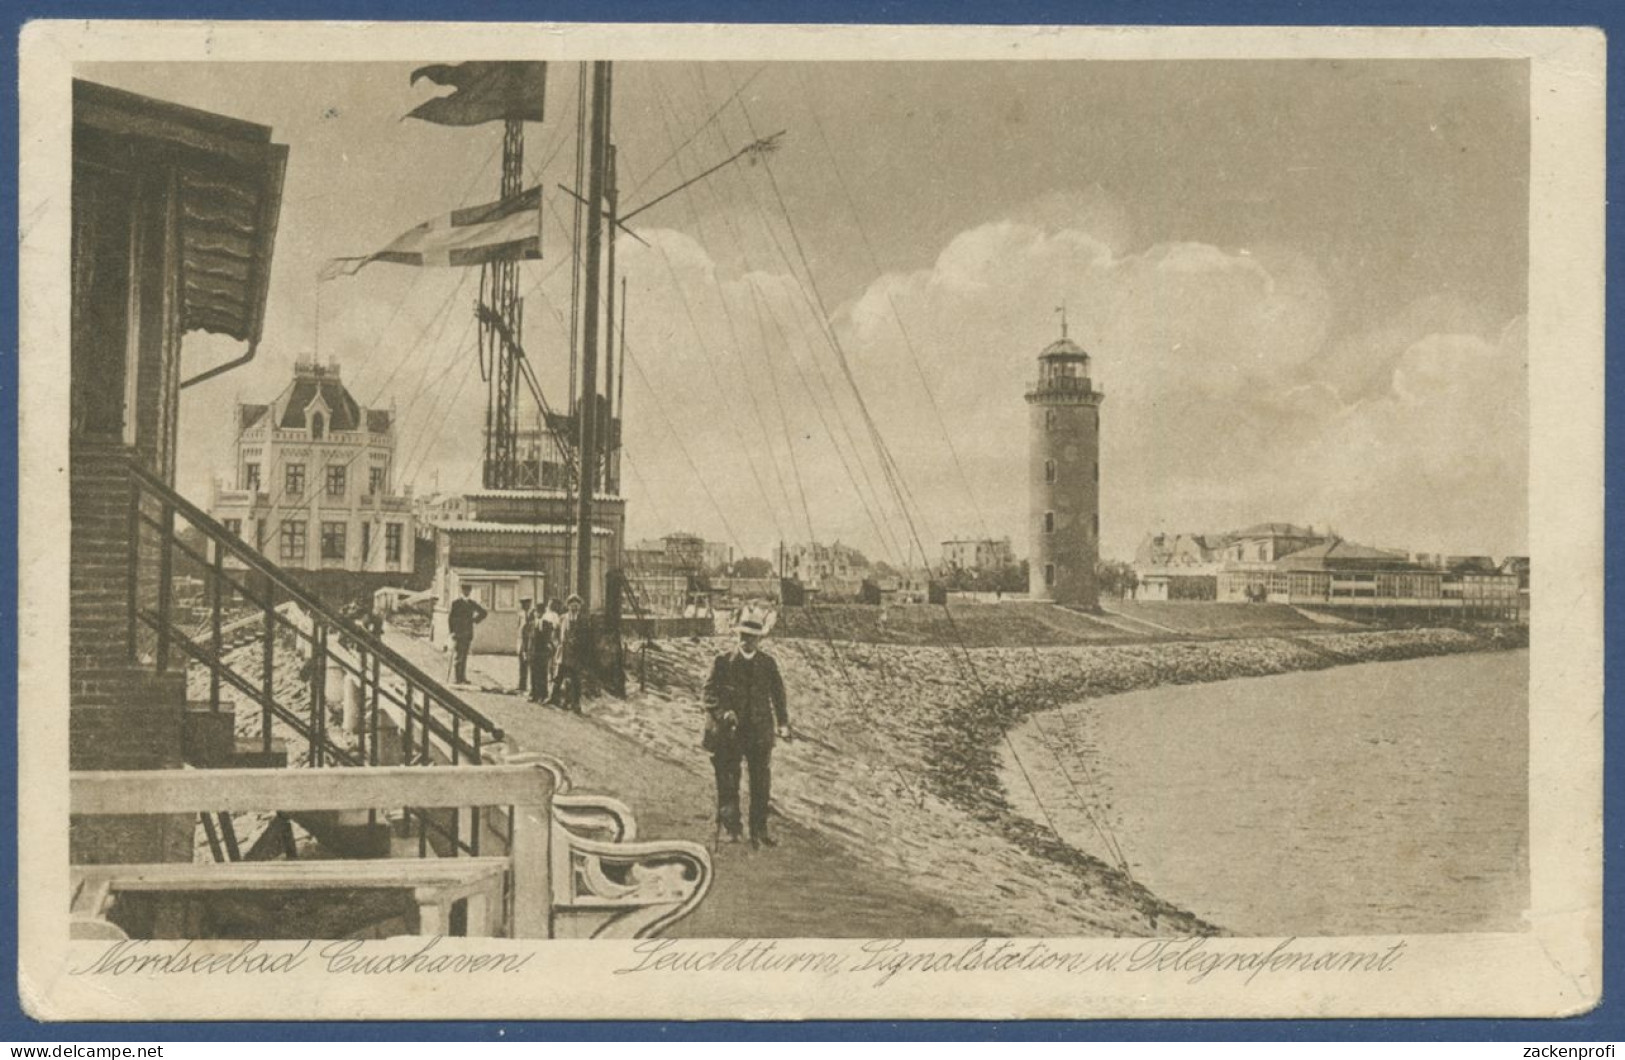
(344, 413)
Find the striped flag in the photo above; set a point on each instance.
(507, 230)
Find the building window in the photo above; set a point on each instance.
(335, 480)
(1049, 575)
(375, 481)
(366, 543)
(1097, 524)
(234, 527)
(333, 541)
(1049, 419)
(293, 540)
(392, 542)
(317, 425)
(1049, 471)
(1049, 522)
(293, 480)
(259, 534)
(251, 477)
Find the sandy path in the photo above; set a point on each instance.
(808, 886)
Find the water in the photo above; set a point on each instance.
(1379, 798)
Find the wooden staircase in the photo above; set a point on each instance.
(163, 590)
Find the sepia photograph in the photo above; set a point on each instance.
(958, 524)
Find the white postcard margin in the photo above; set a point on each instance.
(1554, 968)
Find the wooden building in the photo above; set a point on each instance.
(174, 218)
(513, 544)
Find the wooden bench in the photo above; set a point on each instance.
(436, 884)
(574, 863)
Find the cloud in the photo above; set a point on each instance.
(1226, 401)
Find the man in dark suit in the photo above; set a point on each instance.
(466, 613)
(746, 708)
(567, 656)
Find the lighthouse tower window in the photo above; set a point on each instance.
(1049, 419)
(1049, 522)
(1049, 471)
(1049, 575)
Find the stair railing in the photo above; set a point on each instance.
(254, 596)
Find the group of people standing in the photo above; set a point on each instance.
(550, 652)
(549, 647)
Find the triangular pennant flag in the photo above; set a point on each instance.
(508, 230)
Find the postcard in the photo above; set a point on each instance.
(799, 522)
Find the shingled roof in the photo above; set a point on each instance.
(228, 177)
(344, 414)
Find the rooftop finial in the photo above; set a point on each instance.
(1061, 309)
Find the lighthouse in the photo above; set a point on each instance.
(1063, 478)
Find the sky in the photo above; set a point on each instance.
(1302, 284)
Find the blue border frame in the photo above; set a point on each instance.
(1607, 1022)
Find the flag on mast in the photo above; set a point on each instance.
(507, 230)
(483, 91)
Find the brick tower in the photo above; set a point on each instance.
(1063, 476)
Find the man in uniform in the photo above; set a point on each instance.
(746, 709)
(527, 628)
(466, 613)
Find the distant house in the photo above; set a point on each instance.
(1264, 543)
(813, 564)
(1186, 553)
(1178, 566)
(977, 554)
(314, 480)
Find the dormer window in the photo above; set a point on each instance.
(317, 425)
